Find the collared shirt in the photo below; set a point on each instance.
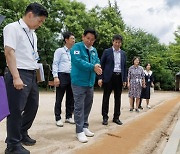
(90, 48)
(117, 60)
(16, 38)
(62, 61)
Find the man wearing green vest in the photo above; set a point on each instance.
(85, 65)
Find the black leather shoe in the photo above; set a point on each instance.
(26, 140)
(117, 121)
(105, 122)
(16, 150)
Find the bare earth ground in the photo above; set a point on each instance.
(151, 125)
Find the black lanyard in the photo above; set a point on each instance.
(32, 43)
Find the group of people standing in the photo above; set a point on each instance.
(139, 83)
(75, 67)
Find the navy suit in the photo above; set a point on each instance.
(107, 65)
(112, 81)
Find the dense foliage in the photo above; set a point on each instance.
(66, 15)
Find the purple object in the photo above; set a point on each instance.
(4, 108)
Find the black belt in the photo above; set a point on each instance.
(29, 71)
(64, 73)
(24, 70)
(117, 73)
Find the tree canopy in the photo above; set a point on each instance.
(68, 15)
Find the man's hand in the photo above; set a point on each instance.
(97, 69)
(18, 83)
(100, 83)
(56, 82)
(11, 61)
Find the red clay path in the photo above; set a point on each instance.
(130, 135)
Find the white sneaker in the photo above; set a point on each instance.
(59, 123)
(88, 133)
(82, 137)
(148, 106)
(70, 120)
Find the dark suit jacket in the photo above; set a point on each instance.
(107, 65)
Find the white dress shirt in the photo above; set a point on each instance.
(117, 60)
(61, 61)
(16, 38)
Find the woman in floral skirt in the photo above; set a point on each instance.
(136, 81)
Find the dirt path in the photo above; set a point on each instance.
(62, 140)
(133, 135)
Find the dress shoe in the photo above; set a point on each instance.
(82, 137)
(105, 122)
(16, 150)
(26, 140)
(88, 133)
(117, 121)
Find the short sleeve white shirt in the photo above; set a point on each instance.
(16, 38)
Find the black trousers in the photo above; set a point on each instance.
(23, 106)
(65, 86)
(114, 84)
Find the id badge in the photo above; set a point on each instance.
(36, 56)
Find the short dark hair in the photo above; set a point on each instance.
(37, 9)
(134, 58)
(117, 37)
(67, 35)
(147, 64)
(92, 31)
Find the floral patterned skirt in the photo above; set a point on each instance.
(135, 89)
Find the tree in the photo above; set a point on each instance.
(147, 47)
(174, 53)
(140, 43)
(68, 15)
(108, 23)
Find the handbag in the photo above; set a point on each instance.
(151, 90)
(4, 108)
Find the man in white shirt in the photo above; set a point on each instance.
(20, 45)
(62, 80)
